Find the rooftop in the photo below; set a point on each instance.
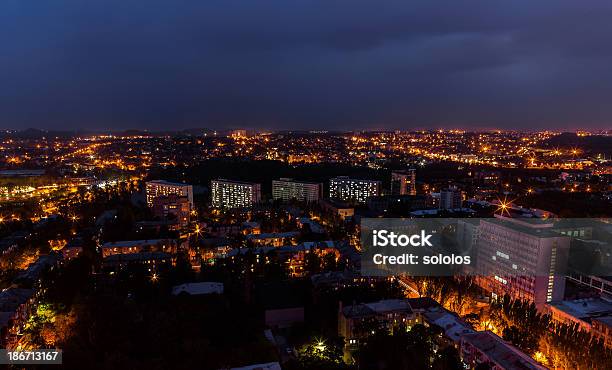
(165, 182)
(380, 307)
(12, 298)
(144, 256)
(454, 328)
(206, 287)
(133, 243)
(266, 366)
(288, 234)
(500, 352)
(585, 309)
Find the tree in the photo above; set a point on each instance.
(322, 354)
(447, 359)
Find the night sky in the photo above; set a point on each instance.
(294, 64)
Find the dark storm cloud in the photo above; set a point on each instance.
(305, 64)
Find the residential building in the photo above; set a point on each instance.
(583, 312)
(353, 190)
(336, 207)
(16, 305)
(158, 188)
(450, 324)
(387, 313)
(152, 260)
(138, 246)
(396, 204)
(264, 366)
(173, 205)
(229, 194)
(274, 239)
(403, 182)
(602, 329)
(486, 347)
(287, 189)
(205, 287)
(450, 198)
(526, 260)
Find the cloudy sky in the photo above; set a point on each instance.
(305, 64)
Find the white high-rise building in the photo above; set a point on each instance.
(352, 190)
(158, 188)
(234, 194)
(288, 189)
(523, 258)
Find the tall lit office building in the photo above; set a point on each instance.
(158, 188)
(234, 194)
(352, 190)
(288, 189)
(523, 258)
(403, 182)
(450, 198)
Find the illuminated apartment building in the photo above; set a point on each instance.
(158, 188)
(172, 205)
(403, 182)
(523, 258)
(288, 189)
(352, 190)
(138, 246)
(234, 194)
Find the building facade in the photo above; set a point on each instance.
(229, 194)
(451, 198)
(403, 182)
(158, 188)
(525, 260)
(288, 189)
(353, 190)
(487, 348)
(172, 205)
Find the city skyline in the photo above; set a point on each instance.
(307, 66)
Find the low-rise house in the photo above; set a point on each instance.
(138, 246)
(151, 259)
(274, 239)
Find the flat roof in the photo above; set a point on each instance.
(165, 182)
(287, 234)
(453, 326)
(500, 352)
(133, 243)
(585, 309)
(235, 182)
(265, 366)
(137, 256)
